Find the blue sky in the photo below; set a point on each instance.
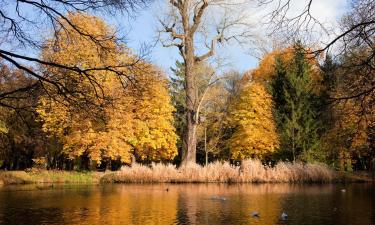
(143, 30)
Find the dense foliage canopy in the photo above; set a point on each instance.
(87, 101)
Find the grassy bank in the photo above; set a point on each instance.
(48, 177)
(252, 172)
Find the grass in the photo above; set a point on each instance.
(253, 172)
(14, 177)
(48, 176)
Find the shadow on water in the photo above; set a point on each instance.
(189, 204)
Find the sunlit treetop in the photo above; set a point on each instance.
(109, 117)
(251, 117)
(266, 69)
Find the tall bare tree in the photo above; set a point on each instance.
(193, 25)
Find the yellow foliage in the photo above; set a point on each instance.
(266, 68)
(251, 117)
(3, 128)
(105, 120)
(155, 134)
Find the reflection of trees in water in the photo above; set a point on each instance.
(191, 204)
(331, 206)
(356, 205)
(121, 204)
(196, 204)
(20, 207)
(186, 209)
(145, 204)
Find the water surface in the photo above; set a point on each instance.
(189, 204)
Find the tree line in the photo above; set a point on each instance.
(285, 109)
(92, 103)
(121, 120)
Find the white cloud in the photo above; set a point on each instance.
(326, 11)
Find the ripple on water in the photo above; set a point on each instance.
(189, 204)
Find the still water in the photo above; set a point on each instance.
(189, 204)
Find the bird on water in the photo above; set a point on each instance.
(284, 216)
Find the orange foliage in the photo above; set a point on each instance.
(255, 132)
(105, 120)
(266, 68)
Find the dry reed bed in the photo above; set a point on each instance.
(253, 171)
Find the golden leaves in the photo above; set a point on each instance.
(251, 116)
(117, 122)
(266, 69)
(154, 130)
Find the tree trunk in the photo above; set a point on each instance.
(372, 167)
(133, 160)
(190, 140)
(205, 144)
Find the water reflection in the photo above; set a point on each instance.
(188, 204)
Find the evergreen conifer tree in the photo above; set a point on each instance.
(296, 112)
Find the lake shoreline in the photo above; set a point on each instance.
(49, 177)
(213, 173)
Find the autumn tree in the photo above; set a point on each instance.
(232, 85)
(356, 29)
(21, 34)
(296, 84)
(21, 137)
(155, 134)
(217, 129)
(184, 25)
(350, 73)
(211, 132)
(3, 128)
(126, 117)
(255, 133)
(349, 137)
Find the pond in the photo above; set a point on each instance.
(189, 204)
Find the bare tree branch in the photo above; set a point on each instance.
(14, 31)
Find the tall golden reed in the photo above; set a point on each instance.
(253, 171)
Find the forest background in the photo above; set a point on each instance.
(87, 101)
